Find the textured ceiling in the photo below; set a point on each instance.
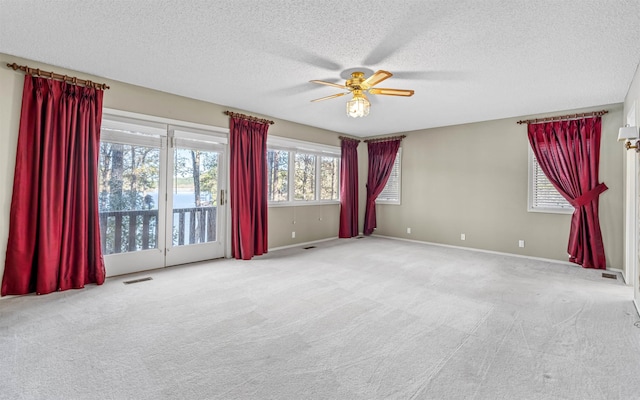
(467, 61)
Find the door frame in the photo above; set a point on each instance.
(126, 263)
(632, 213)
(201, 140)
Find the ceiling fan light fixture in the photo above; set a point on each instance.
(358, 106)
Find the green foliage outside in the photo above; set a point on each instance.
(129, 176)
(305, 170)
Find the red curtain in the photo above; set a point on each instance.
(54, 233)
(348, 188)
(248, 187)
(382, 155)
(569, 155)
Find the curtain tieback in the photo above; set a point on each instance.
(588, 197)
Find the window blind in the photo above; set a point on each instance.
(544, 194)
(391, 191)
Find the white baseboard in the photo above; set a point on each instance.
(303, 244)
(619, 271)
(493, 252)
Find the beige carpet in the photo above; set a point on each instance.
(350, 319)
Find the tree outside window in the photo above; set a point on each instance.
(329, 182)
(305, 177)
(278, 175)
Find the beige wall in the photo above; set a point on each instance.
(472, 179)
(633, 96)
(311, 222)
(468, 179)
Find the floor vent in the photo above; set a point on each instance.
(148, 278)
(309, 247)
(609, 276)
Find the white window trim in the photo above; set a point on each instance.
(292, 170)
(303, 147)
(530, 181)
(319, 178)
(152, 120)
(399, 201)
(282, 143)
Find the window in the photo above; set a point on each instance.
(128, 179)
(301, 172)
(305, 177)
(278, 175)
(543, 197)
(391, 192)
(329, 174)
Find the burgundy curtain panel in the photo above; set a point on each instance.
(348, 188)
(381, 158)
(569, 155)
(54, 232)
(248, 187)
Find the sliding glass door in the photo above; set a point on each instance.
(161, 195)
(132, 173)
(196, 198)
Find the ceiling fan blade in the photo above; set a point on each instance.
(433, 75)
(333, 96)
(329, 84)
(416, 20)
(376, 78)
(392, 92)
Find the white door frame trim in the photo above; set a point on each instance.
(632, 220)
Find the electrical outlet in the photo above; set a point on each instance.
(293, 235)
(409, 230)
(463, 236)
(520, 243)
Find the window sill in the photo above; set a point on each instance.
(303, 203)
(566, 211)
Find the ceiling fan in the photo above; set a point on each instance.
(359, 105)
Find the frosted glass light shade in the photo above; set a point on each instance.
(358, 106)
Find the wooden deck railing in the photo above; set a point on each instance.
(202, 225)
(124, 231)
